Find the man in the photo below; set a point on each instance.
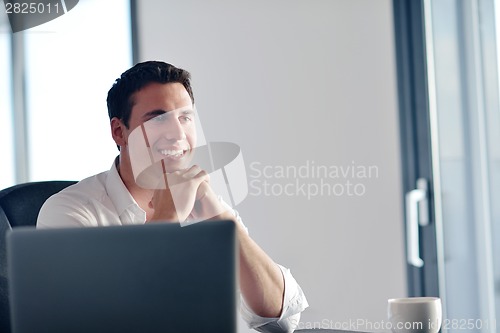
(158, 92)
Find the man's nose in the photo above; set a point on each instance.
(174, 130)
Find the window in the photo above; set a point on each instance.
(69, 65)
(6, 134)
(455, 95)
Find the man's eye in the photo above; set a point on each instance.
(185, 119)
(160, 118)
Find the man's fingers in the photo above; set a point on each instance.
(202, 176)
(202, 190)
(191, 172)
(194, 173)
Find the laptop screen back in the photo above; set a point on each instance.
(148, 278)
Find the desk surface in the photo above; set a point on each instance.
(319, 330)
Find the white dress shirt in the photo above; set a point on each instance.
(103, 200)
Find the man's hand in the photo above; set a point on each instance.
(176, 201)
(208, 205)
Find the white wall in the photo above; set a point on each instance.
(296, 82)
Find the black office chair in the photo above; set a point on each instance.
(19, 206)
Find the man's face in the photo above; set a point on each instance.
(164, 114)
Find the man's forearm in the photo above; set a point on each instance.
(261, 280)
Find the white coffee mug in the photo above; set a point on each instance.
(415, 314)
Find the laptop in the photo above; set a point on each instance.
(144, 278)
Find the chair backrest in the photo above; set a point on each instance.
(21, 203)
(19, 206)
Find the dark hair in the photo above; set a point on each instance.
(119, 96)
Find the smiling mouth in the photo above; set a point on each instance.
(174, 154)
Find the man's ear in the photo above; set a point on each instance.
(118, 132)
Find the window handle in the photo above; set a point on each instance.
(417, 214)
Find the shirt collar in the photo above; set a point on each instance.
(121, 197)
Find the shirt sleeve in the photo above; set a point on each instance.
(62, 212)
(294, 301)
